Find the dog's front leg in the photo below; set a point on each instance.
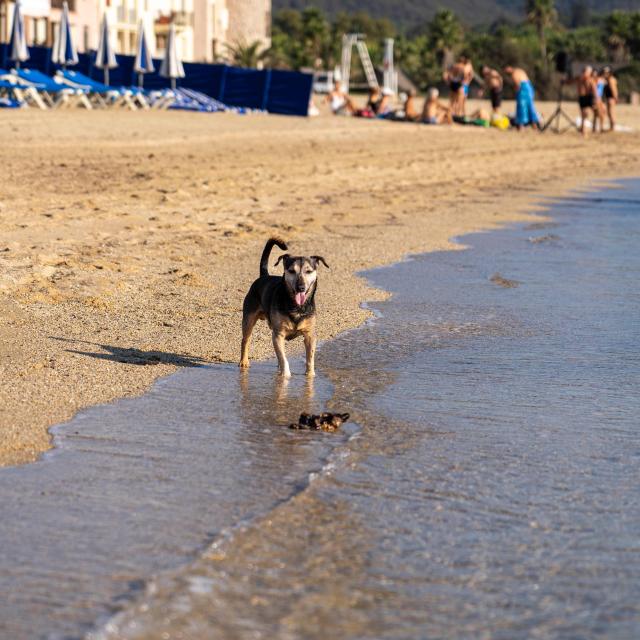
(310, 348)
(283, 363)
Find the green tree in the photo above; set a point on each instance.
(617, 28)
(242, 54)
(444, 33)
(316, 35)
(541, 14)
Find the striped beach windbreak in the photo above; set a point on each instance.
(63, 52)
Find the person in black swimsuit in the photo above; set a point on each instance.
(587, 92)
(493, 82)
(610, 96)
(454, 77)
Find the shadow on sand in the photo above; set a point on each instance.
(129, 355)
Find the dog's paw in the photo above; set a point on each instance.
(285, 374)
(311, 373)
(243, 364)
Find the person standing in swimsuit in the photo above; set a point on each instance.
(493, 83)
(468, 74)
(454, 77)
(526, 113)
(599, 109)
(610, 95)
(587, 91)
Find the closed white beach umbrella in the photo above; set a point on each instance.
(105, 56)
(143, 63)
(171, 65)
(64, 53)
(18, 51)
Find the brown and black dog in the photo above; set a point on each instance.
(287, 303)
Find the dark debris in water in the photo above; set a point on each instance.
(549, 237)
(323, 422)
(496, 278)
(538, 226)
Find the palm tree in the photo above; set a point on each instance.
(541, 14)
(242, 54)
(445, 32)
(617, 31)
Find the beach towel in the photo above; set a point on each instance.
(525, 109)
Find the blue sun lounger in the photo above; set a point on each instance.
(103, 94)
(54, 94)
(15, 91)
(205, 102)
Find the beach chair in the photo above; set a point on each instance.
(160, 99)
(103, 95)
(53, 93)
(183, 102)
(10, 103)
(14, 91)
(141, 97)
(207, 103)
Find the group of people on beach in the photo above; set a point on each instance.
(597, 91)
(597, 98)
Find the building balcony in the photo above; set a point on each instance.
(57, 4)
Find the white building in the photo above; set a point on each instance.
(203, 27)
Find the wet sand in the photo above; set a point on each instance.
(129, 240)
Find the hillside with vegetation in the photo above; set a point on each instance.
(409, 14)
(311, 39)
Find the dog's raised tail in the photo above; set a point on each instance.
(264, 261)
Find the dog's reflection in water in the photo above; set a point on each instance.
(276, 399)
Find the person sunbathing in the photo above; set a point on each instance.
(377, 104)
(339, 100)
(434, 111)
(411, 113)
(526, 113)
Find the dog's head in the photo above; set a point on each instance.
(300, 275)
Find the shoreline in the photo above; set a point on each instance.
(153, 612)
(92, 322)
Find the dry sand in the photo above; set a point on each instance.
(129, 240)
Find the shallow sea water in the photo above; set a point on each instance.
(487, 488)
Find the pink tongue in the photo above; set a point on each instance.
(300, 298)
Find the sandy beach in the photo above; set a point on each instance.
(129, 239)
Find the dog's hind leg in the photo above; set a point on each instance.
(249, 319)
(283, 363)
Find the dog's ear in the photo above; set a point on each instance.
(284, 256)
(317, 259)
